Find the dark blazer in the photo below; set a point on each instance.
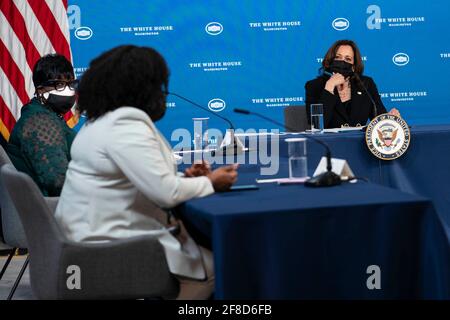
(334, 114)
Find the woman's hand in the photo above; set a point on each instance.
(395, 112)
(198, 169)
(335, 80)
(224, 177)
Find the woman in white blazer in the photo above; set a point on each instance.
(122, 179)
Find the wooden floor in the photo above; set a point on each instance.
(23, 291)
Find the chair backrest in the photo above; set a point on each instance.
(4, 158)
(12, 229)
(41, 230)
(107, 272)
(295, 118)
(39, 224)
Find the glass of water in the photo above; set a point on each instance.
(298, 166)
(317, 118)
(200, 133)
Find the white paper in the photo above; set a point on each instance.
(283, 180)
(344, 129)
(336, 130)
(339, 166)
(256, 134)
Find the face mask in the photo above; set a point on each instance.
(342, 67)
(60, 101)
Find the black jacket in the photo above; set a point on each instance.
(334, 115)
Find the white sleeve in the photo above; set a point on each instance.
(138, 152)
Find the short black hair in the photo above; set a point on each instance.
(51, 67)
(125, 76)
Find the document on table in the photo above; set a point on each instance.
(283, 180)
(336, 130)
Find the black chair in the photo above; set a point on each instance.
(295, 119)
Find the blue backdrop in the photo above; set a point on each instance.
(258, 54)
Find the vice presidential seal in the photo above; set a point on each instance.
(388, 136)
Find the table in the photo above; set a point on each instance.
(423, 170)
(292, 242)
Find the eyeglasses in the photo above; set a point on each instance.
(60, 85)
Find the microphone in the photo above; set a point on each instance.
(235, 146)
(374, 105)
(326, 179)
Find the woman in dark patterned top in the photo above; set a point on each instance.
(40, 142)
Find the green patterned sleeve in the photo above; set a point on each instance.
(46, 150)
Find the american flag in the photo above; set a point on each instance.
(29, 29)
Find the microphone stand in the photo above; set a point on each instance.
(326, 179)
(375, 109)
(234, 147)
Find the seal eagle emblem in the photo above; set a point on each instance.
(388, 136)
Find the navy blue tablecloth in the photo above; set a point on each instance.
(423, 170)
(292, 242)
(295, 242)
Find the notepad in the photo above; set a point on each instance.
(283, 180)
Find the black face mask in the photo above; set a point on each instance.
(60, 104)
(59, 101)
(342, 67)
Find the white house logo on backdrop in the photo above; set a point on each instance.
(214, 28)
(404, 96)
(445, 55)
(340, 24)
(83, 33)
(74, 21)
(278, 101)
(215, 65)
(79, 71)
(375, 21)
(275, 25)
(400, 59)
(216, 105)
(147, 30)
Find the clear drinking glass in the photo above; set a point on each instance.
(298, 166)
(200, 133)
(317, 118)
